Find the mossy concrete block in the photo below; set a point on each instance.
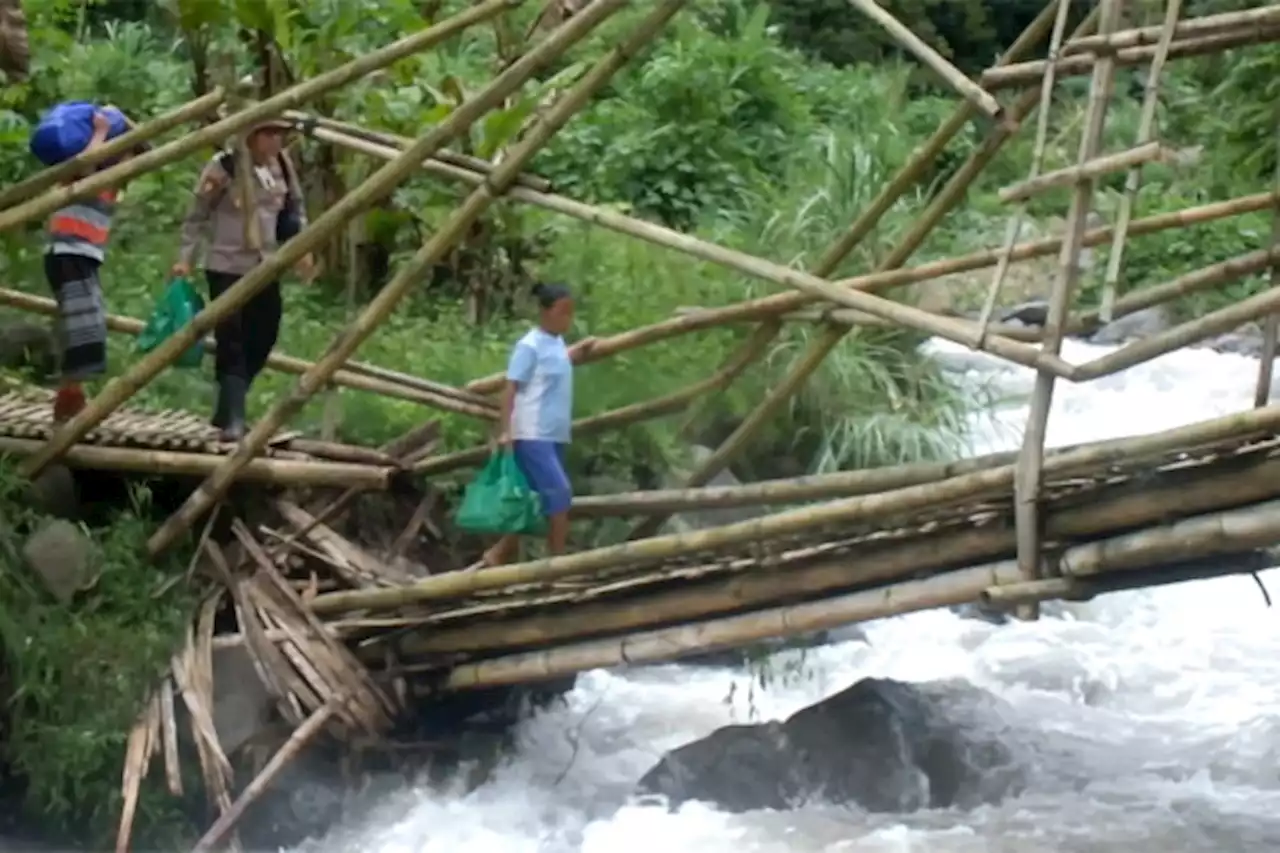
(63, 557)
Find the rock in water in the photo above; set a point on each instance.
(63, 556)
(884, 745)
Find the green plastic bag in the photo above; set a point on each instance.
(178, 306)
(500, 501)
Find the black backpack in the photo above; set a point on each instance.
(289, 220)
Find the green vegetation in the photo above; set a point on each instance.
(763, 126)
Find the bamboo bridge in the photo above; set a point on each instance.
(342, 634)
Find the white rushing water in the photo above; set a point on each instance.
(1164, 704)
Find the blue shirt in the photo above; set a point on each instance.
(543, 372)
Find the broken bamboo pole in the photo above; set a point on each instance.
(868, 563)
(1133, 180)
(1186, 28)
(1026, 73)
(982, 101)
(124, 143)
(1270, 325)
(549, 123)
(892, 503)
(315, 234)
(1027, 485)
(1014, 228)
(298, 741)
(1088, 170)
(780, 303)
(357, 376)
(813, 356)
(269, 108)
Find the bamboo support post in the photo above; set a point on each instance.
(1088, 170)
(1216, 323)
(1098, 562)
(1271, 324)
(808, 362)
(1188, 28)
(122, 144)
(898, 501)
(239, 121)
(780, 303)
(1026, 73)
(1014, 228)
(357, 376)
(311, 237)
(573, 30)
(293, 473)
(954, 77)
(298, 741)
(1133, 180)
(1031, 460)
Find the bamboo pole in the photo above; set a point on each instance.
(982, 101)
(293, 473)
(219, 130)
(1271, 325)
(361, 377)
(311, 237)
(1024, 73)
(1133, 180)
(892, 503)
(122, 144)
(808, 362)
(1031, 461)
(1014, 228)
(298, 741)
(1216, 323)
(1085, 589)
(1196, 281)
(780, 303)
(307, 123)
(1256, 526)
(1187, 28)
(1088, 170)
(869, 564)
(573, 30)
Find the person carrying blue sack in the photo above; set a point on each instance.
(536, 414)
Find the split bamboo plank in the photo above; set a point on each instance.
(550, 122)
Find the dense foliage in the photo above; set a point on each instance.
(764, 126)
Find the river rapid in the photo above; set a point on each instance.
(1163, 706)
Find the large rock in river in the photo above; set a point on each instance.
(884, 745)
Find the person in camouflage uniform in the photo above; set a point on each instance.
(15, 55)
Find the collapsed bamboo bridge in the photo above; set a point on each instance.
(344, 635)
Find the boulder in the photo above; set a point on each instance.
(884, 745)
(1131, 327)
(63, 557)
(1031, 313)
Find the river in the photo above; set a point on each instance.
(1163, 706)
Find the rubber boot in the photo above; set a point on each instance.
(67, 403)
(219, 418)
(232, 391)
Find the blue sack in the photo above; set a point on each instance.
(65, 130)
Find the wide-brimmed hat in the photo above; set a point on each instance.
(272, 124)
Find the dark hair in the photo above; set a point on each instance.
(549, 294)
